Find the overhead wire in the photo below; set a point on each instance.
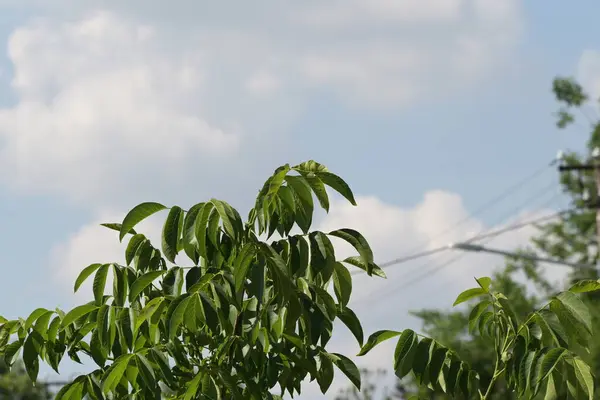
(480, 235)
(487, 238)
(492, 202)
(431, 268)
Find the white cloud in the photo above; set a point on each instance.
(107, 98)
(99, 100)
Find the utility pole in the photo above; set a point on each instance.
(594, 165)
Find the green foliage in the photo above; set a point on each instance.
(246, 318)
(570, 238)
(16, 385)
(540, 354)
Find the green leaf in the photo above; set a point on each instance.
(100, 283)
(584, 376)
(30, 357)
(83, 275)
(172, 283)
(422, 358)
(171, 235)
(325, 376)
(147, 372)
(115, 227)
(342, 283)
(476, 313)
(242, 263)
(348, 368)
(405, 342)
(576, 308)
(178, 313)
(138, 214)
(437, 362)
(357, 241)
(142, 283)
(550, 361)
(132, 247)
(77, 313)
(376, 338)
(103, 327)
(468, 295)
(11, 351)
(189, 232)
(349, 318)
(114, 374)
(201, 226)
(485, 283)
(369, 268)
(232, 222)
(585, 286)
(551, 393)
(318, 188)
(337, 184)
(33, 317)
(192, 387)
(120, 285)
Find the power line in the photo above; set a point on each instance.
(480, 235)
(492, 202)
(488, 238)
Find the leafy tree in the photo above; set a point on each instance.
(570, 238)
(244, 318)
(16, 385)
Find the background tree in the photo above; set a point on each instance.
(243, 318)
(570, 238)
(16, 385)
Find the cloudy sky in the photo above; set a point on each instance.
(428, 109)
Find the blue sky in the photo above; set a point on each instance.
(427, 108)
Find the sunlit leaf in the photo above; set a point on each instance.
(138, 214)
(468, 295)
(376, 338)
(83, 275)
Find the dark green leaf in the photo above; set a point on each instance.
(342, 283)
(376, 338)
(171, 235)
(349, 318)
(584, 376)
(179, 305)
(84, 274)
(30, 357)
(132, 247)
(242, 263)
(115, 373)
(550, 361)
(357, 241)
(348, 368)
(576, 308)
(142, 283)
(137, 214)
(77, 313)
(476, 313)
(201, 228)
(405, 342)
(100, 283)
(337, 184)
